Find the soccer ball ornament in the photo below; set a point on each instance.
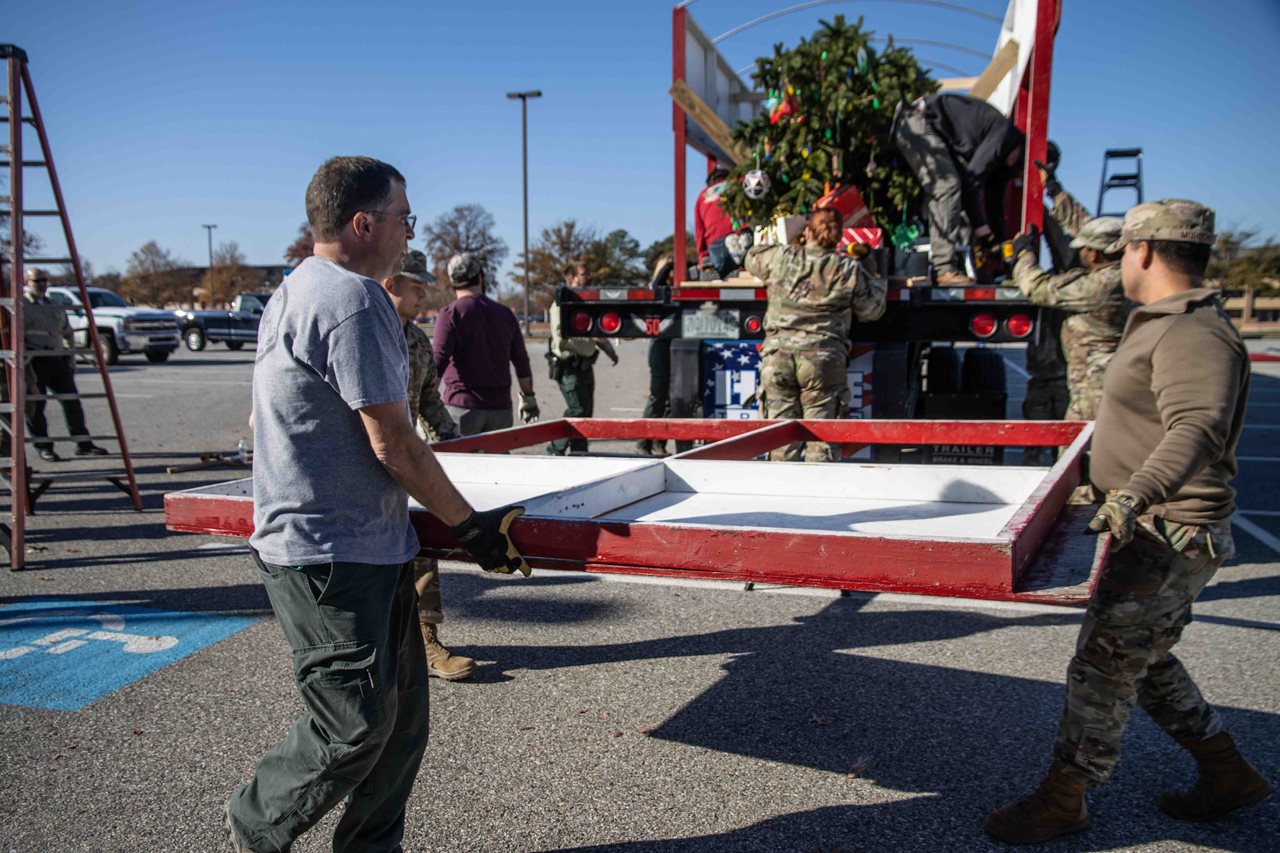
(755, 184)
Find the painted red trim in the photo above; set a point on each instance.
(1263, 356)
(1039, 76)
(749, 445)
(597, 294)
(1033, 521)
(691, 429)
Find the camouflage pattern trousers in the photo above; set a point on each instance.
(426, 580)
(928, 156)
(1084, 378)
(811, 384)
(1137, 613)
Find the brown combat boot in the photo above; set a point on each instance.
(1054, 809)
(952, 278)
(442, 663)
(1227, 782)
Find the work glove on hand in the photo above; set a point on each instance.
(613, 356)
(1026, 241)
(484, 535)
(529, 411)
(1119, 514)
(1048, 178)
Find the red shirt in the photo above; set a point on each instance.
(710, 221)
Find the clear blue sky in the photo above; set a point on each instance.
(167, 115)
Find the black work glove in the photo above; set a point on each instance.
(1120, 515)
(1026, 241)
(1050, 178)
(529, 411)
(484, 535)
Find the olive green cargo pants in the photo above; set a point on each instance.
(578, 385)
(362, 672)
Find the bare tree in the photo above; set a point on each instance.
(466, 228)
(1239, 262)
(150, 276)
(302, 247)
(550, 257)
(228, 276)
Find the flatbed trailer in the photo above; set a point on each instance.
(717, 512)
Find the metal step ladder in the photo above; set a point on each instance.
(24, 484)
(1130, 160)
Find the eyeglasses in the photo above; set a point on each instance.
(409, 219)
(40, 280)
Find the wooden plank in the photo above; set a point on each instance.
(1005, 60)
(705, 117)
(956, 84)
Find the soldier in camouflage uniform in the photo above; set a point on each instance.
(814, 296)
(1094, 300)
(1173, 407)
(407, 290)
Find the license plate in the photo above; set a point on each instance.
(722, 324)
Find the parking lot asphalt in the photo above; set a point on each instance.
(610, 713)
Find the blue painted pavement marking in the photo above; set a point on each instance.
(62, 654)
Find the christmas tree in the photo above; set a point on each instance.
(827, 121)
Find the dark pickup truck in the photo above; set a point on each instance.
(235, 328)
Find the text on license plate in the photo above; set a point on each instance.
(722, 324)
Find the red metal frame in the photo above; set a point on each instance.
(679, 249)
(1031, 114)
(976, 568)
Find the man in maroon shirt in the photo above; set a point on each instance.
(711, 224)
(475, 341)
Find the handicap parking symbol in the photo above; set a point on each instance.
(63, 654)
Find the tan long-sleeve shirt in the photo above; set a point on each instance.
(1172, 409)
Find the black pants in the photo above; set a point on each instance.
(56, 375)
(659, 403)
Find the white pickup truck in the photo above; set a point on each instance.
(122, 328)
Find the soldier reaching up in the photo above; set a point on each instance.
(814, 296)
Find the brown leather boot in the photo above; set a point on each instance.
(1055, 808)
(442, 663)
(1227, 782)
(952, 278)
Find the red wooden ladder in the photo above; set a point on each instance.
(24, 484)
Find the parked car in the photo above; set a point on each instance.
(122, 327)
(235, 328)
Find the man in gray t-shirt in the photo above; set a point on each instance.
(336, 458)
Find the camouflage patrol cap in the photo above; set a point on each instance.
(1176, 219)
(413, 265)
(464, 270)
(1098, 233)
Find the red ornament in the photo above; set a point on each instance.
(784, 109)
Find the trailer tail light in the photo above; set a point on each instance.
(753, 324)
(983, 325)
(1019, 325)
(610, 322)
(580, 321)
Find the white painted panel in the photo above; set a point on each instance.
(904, 519)
(911, 483)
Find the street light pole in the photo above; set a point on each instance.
(209, 228)
(524, 155)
